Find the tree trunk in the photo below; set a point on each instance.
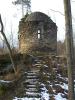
(10, 52)
(69, 48)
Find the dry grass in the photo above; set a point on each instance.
(13, 76)
(10, 77)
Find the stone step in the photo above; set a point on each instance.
(34, 83)
(32, 77)
(31, 86)
(38, 64)
(34, 71)
(27, 98)
(30, 83)
(32, 94)
(32, 90)
(31, 80)
(31, 74)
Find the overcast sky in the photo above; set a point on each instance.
(11, 14)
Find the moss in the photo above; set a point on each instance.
(3, 89)
(53, 75)
(64, 72)
(23, 19)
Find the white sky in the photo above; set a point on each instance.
(12, 14)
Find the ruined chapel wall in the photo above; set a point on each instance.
(28, 40)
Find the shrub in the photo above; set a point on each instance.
(3, 89)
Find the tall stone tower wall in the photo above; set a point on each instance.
(37, 35)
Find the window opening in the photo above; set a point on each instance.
(39, 35)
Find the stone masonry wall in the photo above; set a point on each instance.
(28, 37)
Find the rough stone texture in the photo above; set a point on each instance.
(30, 40)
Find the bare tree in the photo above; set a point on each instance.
(24, 3)
(10, 52)
(69, 47)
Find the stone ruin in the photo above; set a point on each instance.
(37, 33)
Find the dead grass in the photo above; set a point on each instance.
(13, 76)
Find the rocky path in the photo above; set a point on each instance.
(32, 83)
(30, 86)
(38, 83)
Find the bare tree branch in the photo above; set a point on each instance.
(61, 13)
(10, 52)
(57, 11)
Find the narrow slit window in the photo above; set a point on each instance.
(39, 35)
